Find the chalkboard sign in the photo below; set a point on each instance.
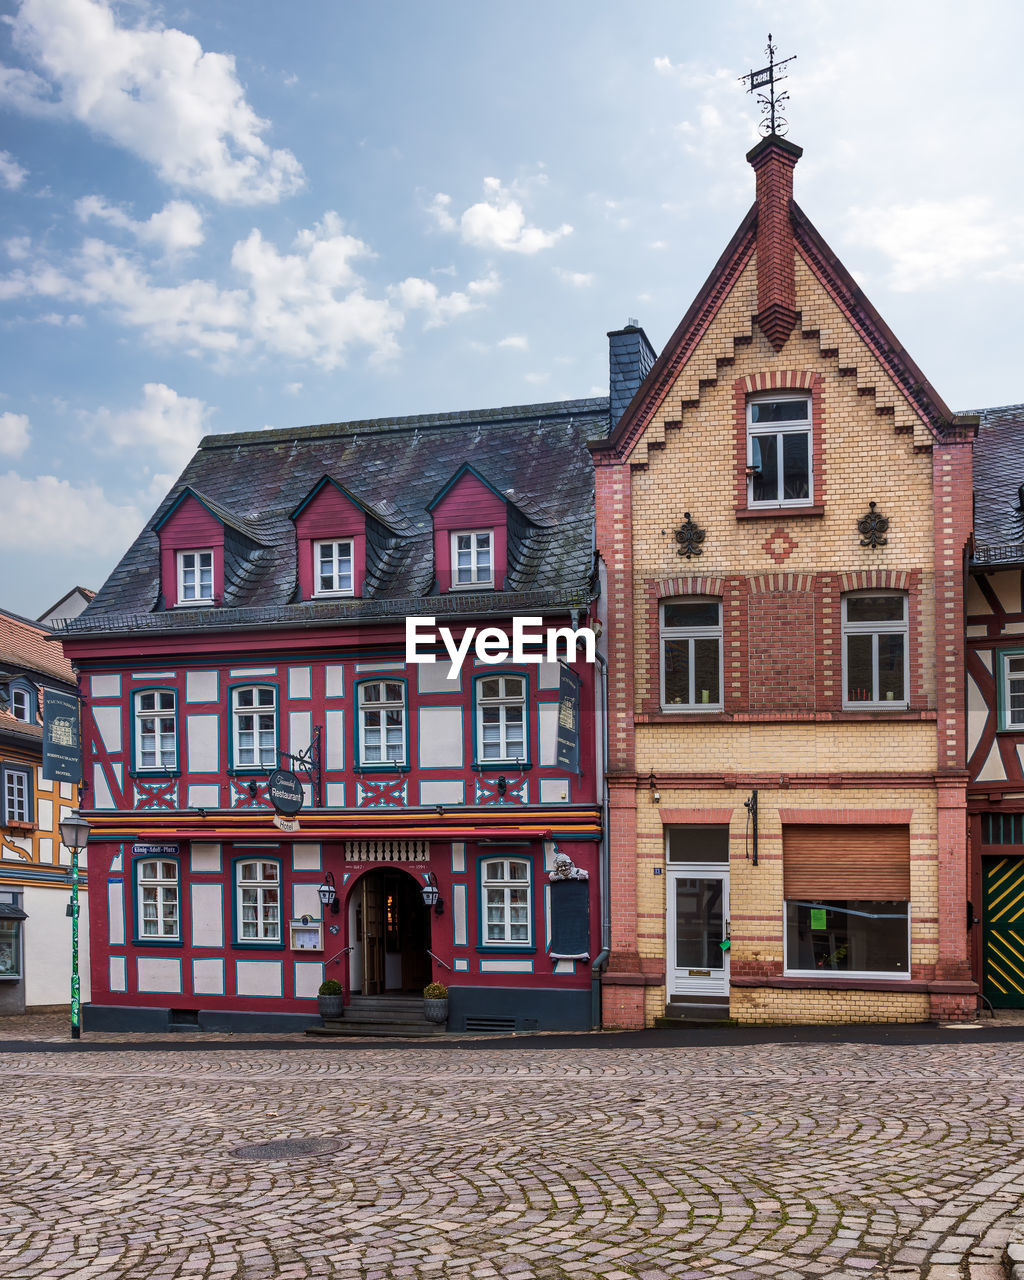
(570, 919)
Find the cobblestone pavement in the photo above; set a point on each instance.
(740, 1160)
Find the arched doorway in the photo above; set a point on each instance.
(391, 933)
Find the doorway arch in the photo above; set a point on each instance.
(389, 932)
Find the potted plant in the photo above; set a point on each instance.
(435, 1002)
(330, 999)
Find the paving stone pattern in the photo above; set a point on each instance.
(781, 1160)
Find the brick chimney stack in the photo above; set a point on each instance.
(773, 161)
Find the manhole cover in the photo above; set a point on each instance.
(286, 1148)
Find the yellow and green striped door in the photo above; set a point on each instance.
(1003, 921)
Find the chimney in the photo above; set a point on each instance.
(773, 161)
(630, 358)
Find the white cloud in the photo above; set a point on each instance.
(293, 388)
(152, 90)
(14, 433)
(77, 518)
(578, 279)
(176, 227)
(932, 242)
(166, 425)
(12, 175)
(415, 294)
(496, 222)
(537, 379)
(515, 342)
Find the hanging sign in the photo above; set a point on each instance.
(567, 743)
(284, 791)
(285, 824)
(62, 740)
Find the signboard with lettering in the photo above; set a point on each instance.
(155, 850)
(567, 744)
(62, 741)
(284, 791)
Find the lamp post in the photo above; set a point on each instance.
(74, 833)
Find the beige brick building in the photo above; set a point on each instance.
(782, 512)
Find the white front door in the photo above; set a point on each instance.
(697, 926)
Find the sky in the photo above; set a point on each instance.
(222, 217)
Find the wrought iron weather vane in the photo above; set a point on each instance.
(771, 119)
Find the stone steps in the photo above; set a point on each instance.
(383, 1015)
(350, 1027)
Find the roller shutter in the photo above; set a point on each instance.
(836, 864)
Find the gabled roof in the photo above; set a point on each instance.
(84, 592)
(30, 646)
(219, 512)
(465, 470)
(325, 480)
(998, 481)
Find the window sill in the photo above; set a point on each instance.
(154, 774)
(508, 766)
(253, 771)
(257, 946)
(784, 717)
(392, 769)
(333, 595)
(196, 604)
(499, 950)
(157, 942)
(472, 586)
(16, 824)
(774, 513)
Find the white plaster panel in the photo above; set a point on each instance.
(200, 686)
(117, 862)
(506, 966)
(115, 913)
(108, 726)
(208, 977)
(1020, 757)
(18, 848)
(335, 794)
(549, 855)
(565, 966)
(461, 966)
(105, 686)
(334, 744)
(441, 737)
(300, 682)
(432, 677)
(258, 977)
(205, 857)
(202, 738)
(207, 915)
(305, 857)
(305, 901)
(67, 790)
(977, 714)
(118, 969)
(307, 794)
(334, 681)
(992, 770)
(308, 976)
(253, 671)
(1007, 587)
(158, 974)
(44, 814)
(459, 916)
(442, 791)
(45, 849)
(554, 790)
(117, 769)
(380, 666)
(458, 858)
(985, 658)
(204, 796)
(547, 715)
(43, 784)
(299, 731)
(976, 602)
(977, 630)
(154, 675)
(101, 797)
(548, 675)
(1013, 629)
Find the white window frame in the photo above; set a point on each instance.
(17, 794)
(876, 629)
(779, 430)
(476, 580)
(156, 713)
(385, 706)
(167, 892)
(1009, 679)
(263, 758)
(262, 889)
(690, 633)
(502, 702)
(503, 887)
(338, 560)
(197, 567)
(19, 694)
(895, 975)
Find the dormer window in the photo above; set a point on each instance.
(195, 576)
(20, 706)
(333, 568)
(472, 559)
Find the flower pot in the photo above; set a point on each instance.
(331, 1006)
(435, 1010)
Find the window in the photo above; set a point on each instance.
(255, 734)
(156, 738)
(875, 651)
(158, 900)
(506, 891)
(195, 576)
(501, 717)
(17, 795)
(10, 948)
(472, 560)
(259, 901)
(779, 451)
(1012, 701)
(691, 655)
(332, 568)
(382, 722)
(20, 703)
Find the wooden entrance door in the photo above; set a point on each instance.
(373, 916)
(1003, 936)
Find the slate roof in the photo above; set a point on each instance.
(535, 455)
(999, 486)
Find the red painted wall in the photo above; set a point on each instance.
(190, 528)
(330, 515)
(469, 505)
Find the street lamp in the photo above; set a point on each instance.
(74, 833)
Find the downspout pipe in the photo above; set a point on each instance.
(604, 876)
